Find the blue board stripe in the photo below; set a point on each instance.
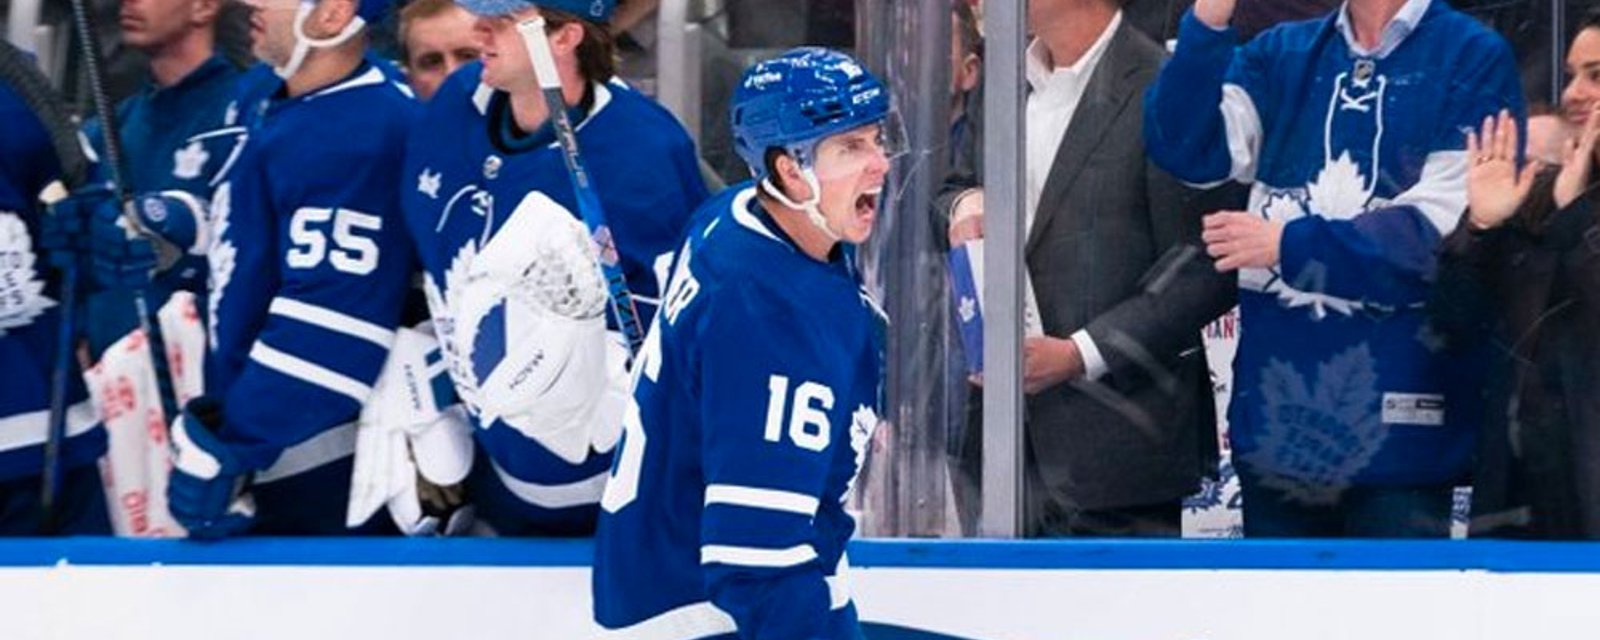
(1320, 555)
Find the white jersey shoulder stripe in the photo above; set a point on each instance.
(371, 77)
(756, 556)
(742, 215)
(757, 498)
(309, 372)
(332, 320)
(28, 429)
(555, 496)
(688, 622)
(324, 448)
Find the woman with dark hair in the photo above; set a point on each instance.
(1524, 268)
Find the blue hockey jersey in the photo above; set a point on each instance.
(465, 173)
(755, 397)
(175, 141)
(1361, 155)
(29, 313)
(309, 268)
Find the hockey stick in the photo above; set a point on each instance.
(89, 48)
(19, 72)
(594, 216)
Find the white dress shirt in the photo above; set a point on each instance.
(1056, 93)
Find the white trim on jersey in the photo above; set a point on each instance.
(703, 619)
(309, 372)
(757, 498)
(371, 77)
(757, 557)
(554, 496)
(688, 622)
(742, 215)
(331, 320)
(324, 448)
(29, 429)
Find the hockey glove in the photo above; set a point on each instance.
(64, 233)
(204, 492)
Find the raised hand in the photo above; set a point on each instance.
(1215, 13)
(1495, 189)
(1578, 162)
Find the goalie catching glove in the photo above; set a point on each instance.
(531, 347)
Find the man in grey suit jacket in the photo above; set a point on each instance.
(1120, 418)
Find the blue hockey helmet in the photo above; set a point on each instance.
(591, 10)
(795, 100)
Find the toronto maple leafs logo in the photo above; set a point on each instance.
(189, 161)
(21, 291)
(1315, 436)
(863, 423)
(967, 309)
(428, 183)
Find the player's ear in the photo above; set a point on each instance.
(793, 184)
(203, 13)
(330, 17)
(566, 38)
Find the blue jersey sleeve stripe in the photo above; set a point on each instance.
(757, 498)
(331, 320)
(309, 372)
(757, 557)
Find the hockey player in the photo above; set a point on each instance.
(175, 142)
(758, 389)
(495, 220)
(309, 267)
(1347, 418)
(29, 321)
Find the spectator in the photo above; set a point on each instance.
(1120, 420)
(1524, 269)
(435, 39)
(966, 72)
(1346, 418)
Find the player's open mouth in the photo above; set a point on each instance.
(867, 204)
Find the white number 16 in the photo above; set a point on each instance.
(808, 421)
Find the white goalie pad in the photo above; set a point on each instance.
(530, 331)
(125, 392)
(408, 426)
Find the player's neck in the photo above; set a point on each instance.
(1368, 18)
(324, 67)
(797, 225)
(173, 61)
(528, 107)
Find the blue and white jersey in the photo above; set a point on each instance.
(29, 311)
(466, 171)
(309, 266)
(176, 142)
(1361, 154)
(755, 397)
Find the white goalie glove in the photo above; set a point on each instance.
(413, 443)
(529, 333)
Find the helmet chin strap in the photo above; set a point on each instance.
(303, 44)
(813, 214)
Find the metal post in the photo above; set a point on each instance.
(678, 59)
(1003, 160)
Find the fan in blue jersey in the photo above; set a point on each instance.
(511, 275)
(758, 388)
(29, 321)
(309, 268)
(1348, 417)
(174, 142)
